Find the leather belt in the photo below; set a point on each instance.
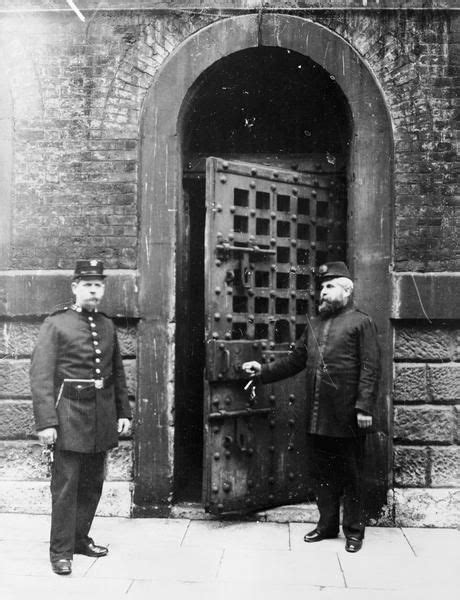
(79, 388)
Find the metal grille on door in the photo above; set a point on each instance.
(266, 231)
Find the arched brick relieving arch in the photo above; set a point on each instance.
(369, 193)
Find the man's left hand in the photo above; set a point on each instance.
(364, 420)
(124, 426)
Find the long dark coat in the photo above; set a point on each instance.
(342, 360)
(79, 345)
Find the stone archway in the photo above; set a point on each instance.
(370, 212)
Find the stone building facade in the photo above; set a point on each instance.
(99, 120)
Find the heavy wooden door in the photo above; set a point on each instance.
(266, 230)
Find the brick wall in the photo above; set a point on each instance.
(78, 92)
(71, 121)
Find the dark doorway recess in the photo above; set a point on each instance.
(266, 105)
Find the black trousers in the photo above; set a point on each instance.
(337, 468)
(76, 487)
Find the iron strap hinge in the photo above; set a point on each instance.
(248, 249)
(247, 412)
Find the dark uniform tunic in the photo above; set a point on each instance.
(79, 345)
(341, 355)
(342, 360)
(78, 386)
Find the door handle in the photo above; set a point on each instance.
(247, 412)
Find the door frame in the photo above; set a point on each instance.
(370, 214)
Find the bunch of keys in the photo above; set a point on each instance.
(251, 386)
(48, 455)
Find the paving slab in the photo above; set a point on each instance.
(427, 542)
(143, 532)
(35, 566)
(20, 587)
(280, 567)
(394, 573)
(21, 527)
(172, 564)
(218, 560)
(221, 534)
(378, 541)
(144, 590)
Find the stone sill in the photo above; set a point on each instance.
(426, 296)
(37, 293)
(415, 507)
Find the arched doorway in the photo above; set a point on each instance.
(170, 138)
(267, 106)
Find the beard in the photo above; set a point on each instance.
(329, 307)
(90, 304)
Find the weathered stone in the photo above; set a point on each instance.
(457, 424)
(34, 497)
(416, 295)
(14, 378)
(116, 499)
(17, 339)
(423, 424)
(445, 466)
(127, 340)
(427, 507)
(410, 383)
(410, 466)
(22, 460)
(423, 343)
(131, 375)
(444, 382)
(120, 463)
(16, 420)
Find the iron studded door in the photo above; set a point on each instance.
(266, 229)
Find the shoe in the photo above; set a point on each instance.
(353, 544)
(89, 548)
(317, 536)
(63, 566)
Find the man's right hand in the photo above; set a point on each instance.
(252, 368)
(47, 436)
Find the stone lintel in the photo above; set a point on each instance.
(427, 296)
(36, 293)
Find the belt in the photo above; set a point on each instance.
(76, 388)
(99, 383)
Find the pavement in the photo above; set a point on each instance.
(188, 559)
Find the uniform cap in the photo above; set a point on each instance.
(92, 269)
(331, 270)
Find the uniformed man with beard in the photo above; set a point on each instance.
(340, 352)
(80, 403)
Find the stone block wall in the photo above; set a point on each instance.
(21, 460)
(426, 421)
